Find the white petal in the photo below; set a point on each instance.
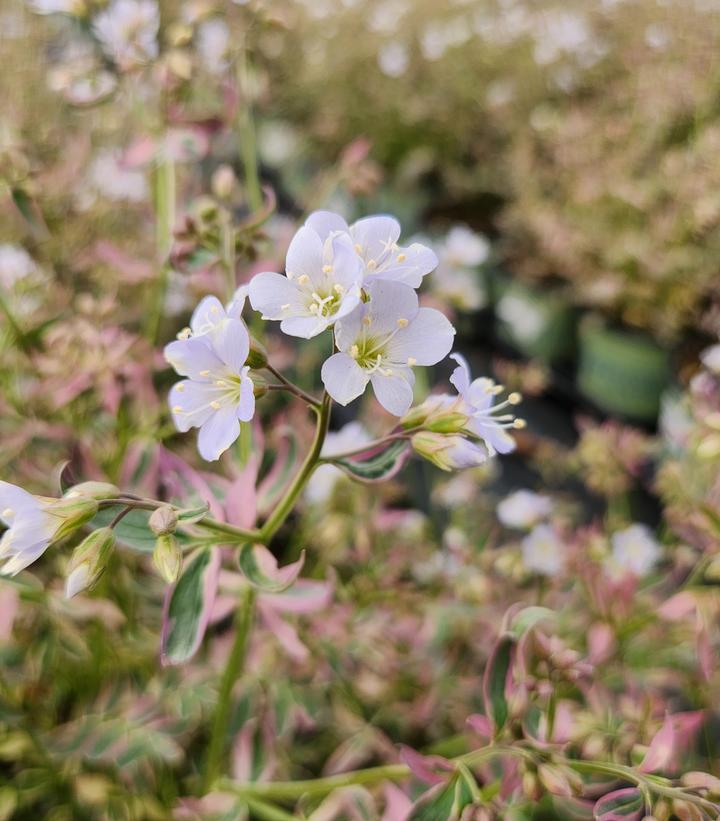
(14, 500)
(246, 406)
(375, 235)
(427, 339)
(237, 303)
(304, 326)
(390, 302)
(461, 375)
(208, 313)
(343, 378)
(191, 357)
(269, 292)
(305, 255)
(190, 404)
(346, 264)
(20, 560)
(418, 260)
(232, 343)
(393, 393)
(325, 223)
(218, 433)
(349, 328)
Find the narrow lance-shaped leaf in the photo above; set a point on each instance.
(376, 465)
(188, 605)
(261, 569)
(495, 680)
(621, 805)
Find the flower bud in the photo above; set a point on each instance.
(88, 561)
(440, 414)
(223, 182)
(257, 358)
(555, 780)
(93, 490)
(163, 520)
(449, 452)
(531, 786)
(167, 557)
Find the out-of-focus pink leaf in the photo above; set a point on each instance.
(261, 569)
(285, 633)
(188, 605)
(286, 460)
(480, 725)
(601, 643)
(133, 270)
(430, 769)
(621, 805)
(661, 749)
(305, 596)
(9, 602)
(678, 607)
(397, 804)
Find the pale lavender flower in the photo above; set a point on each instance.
(523, 509)
(127, 31)
(322, 284)
(634, 550)
(543, 552)
(449, 451)
(710, 358)
(487, 420)
(375, 239)
(218, 393)
(34, 523)
(381, 341)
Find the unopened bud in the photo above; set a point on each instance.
(259, 389)
(686, 811)
(179, 34)
(163, 520)
(93, 490)
(167, 557)
(88, 561)
(531, 786)
(257, 358)
(74, 512)
(206, 209)
(180, 63)
(555, 780)
(223, 182)
(662, 810)
(448, 451)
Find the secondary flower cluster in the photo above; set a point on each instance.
(358, 282)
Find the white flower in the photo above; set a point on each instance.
(456, 280)
(34, 523)
(634, 550)
(218, 393)
(542, 551)
(526, 321)
(322, 482)
(381, 341)
(710, 358)
(213, 41)
(322, 284)
(479, 395)
(55, 6)
(523, 509)
(112, 180)
(375, 240)
(463, 248)
(127, 30)
(393, 59)
(15, 265)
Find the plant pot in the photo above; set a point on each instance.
(535, 321)
(621, 371)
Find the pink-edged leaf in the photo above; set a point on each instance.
(661, 749)
(241, 498)
(260, 568)
(621, 805)
(140, 468)
(678, 607)
(376, 465)
(188, 605)
(133, 270)
(481, 726)
(495, 679)
(284, 632)
(397, 804)
(286, 460)
(305, 596)
(430, 769)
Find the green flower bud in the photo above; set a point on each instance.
(74, 512)
(93, 490)
(257, 358)
(163, 520)
(88, 561)
(167, 557)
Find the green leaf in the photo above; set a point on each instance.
(446, 801)
(527, 618)
(132, 531)
(261, 569)
(495, 679)
(187, 607)
(375, 465)
(191, 515)
(29, 211)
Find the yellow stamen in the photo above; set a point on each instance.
(497, 389)
(367, 320)
(402, 322)
(411, 361)
(205, 373)
(303, 279)
(7, 513)
(215, 405)
(515, 398)
(327, 269)
(372, 265)
(186, 333)
(358, 247)
(338, 289)
(401, 257)
(354, 351)
(519, 424)
(177, 409)
(180, 388)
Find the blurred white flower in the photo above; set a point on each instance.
(393, 59)
(213, 40)
(558, 32)
(55, 6)
(710, 358)
(634, 550)
(523, 509)
(463, 247)
(15, 265)
(543, 552)
(526, 320)
(112, 180)
(324, 478)
(455, 280)
(127, 31)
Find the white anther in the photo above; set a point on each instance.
(358, 247)
(313, 308)
(519, 424)
(354, 351)
(285, 307)
(303, 279)
(186, 333)
(215, 405)
(372, 265)
(7, 513)
(411, 361)
(515, 398)
(338, 288)
(205, 373)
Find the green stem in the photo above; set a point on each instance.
(15, 329)
(267, 812)
(287, 385)
(286, 504)
(235, 663)
(246, 130)
(165, 196)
